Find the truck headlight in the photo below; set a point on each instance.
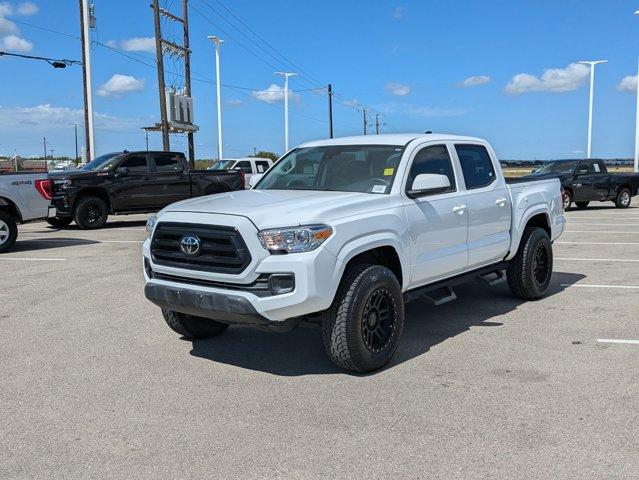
(294, 239)
(150, 224)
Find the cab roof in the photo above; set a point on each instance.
(389, 139)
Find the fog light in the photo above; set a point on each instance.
(281, 283)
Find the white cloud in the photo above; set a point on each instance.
(398, 13)
(398, 89)
(352, 103)
(628, 84)
(420, 111)
(119, 84)
(475, 80)
(552, 80)
(46, 118)
(6, 9)
(8, 27)
(235, 102)
(13, 43)
(27, 8)
(274, 94)
(135, 44)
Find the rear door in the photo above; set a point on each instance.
(170, 178)
(438, 223)
(132, 188)
(489, 209)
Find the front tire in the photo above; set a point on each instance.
(91, 213)
(530, 271)
(624, 197)
(361, 329)
(59, 222)
(8, 231)
(582, 205)
(567, 200)
(191, 326)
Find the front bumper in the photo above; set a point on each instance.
(62, 205)
(223, 307)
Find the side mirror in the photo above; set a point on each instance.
(122, 170)
(254, 179)
(428, 184)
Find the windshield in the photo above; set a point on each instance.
(556, 167)
(225, 164)
(344, 168)
(102, 163)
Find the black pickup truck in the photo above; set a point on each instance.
(132, 182)
(586, 181)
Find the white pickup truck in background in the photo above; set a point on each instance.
(250, 166)
(23, 197)
(343, 232)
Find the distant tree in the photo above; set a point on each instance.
(265, 154)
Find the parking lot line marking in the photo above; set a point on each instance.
(598, 259)
(597, 243)
(35, 259)
(79, 240)
(599, 224)
(598, 231)
(616, 340)
(626, 287)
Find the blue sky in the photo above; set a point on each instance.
(405, 60)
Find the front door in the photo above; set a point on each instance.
(584, 183)
(171, 182)
(132, 184)
(438, 223)
(489, 209)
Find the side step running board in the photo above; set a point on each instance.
(494, 278)
(439, 297)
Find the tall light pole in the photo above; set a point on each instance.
(286, 75)
(592, 86)
(637, 121)
(75, 131)
(217, 41)
(86, 21)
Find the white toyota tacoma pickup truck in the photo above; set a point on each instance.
(23, 197)
(344, 232)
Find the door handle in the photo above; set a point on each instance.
(501, 201)
(459, 209)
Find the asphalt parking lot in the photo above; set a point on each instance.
(93, 384)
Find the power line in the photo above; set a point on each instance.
(54, 62)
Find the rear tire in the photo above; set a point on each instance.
(8, 231)
(191, 326)
(529, 273)
(582, 205)
(91, 213)
(362, 328)
(59, 222)
(624, 197)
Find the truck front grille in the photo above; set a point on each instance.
(221, 249)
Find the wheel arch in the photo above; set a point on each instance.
(535, 217)
(93, 192)
(10, 207)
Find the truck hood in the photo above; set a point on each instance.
(281, 208)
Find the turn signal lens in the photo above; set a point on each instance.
(294, 239)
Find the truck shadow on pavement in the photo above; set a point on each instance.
(46, 244)
(111, 224)
(300, 352)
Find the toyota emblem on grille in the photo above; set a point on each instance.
(190, 245)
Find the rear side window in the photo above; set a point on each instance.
(136, 164)
(476, 165)
(433, 159)
(166, 163)
(261, 166)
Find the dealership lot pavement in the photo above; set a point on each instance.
(94, 385)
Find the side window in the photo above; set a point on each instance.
(597, 166)
(136, 164)
(261, 166)
(433, 159)
(166, 163)
(583, 169)
(243, 165)
(476, 165)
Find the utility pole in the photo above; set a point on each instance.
(44, 140)
(164, 122)
(592, 86)
(217, 41)
(377, 124)
(363, 110)
(86, 22)
(330, 110)
(146, 137)
(75, 131)
(286, 75)
(187, 74)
